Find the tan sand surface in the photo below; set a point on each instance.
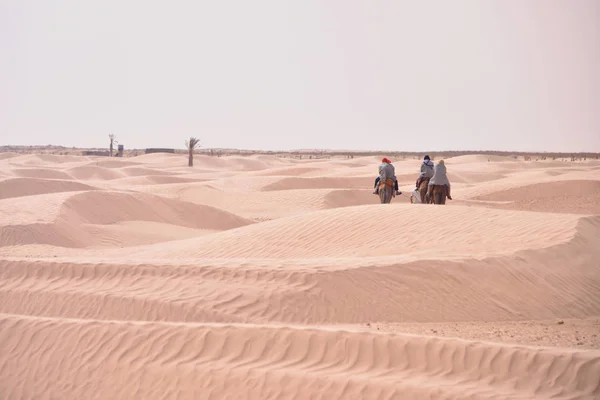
(259, 277)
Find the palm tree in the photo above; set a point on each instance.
(112, 139)
(191, 146)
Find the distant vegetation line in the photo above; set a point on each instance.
(315, 153)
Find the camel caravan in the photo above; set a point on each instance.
(432, 186)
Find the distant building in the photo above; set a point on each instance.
(102, 153)
(159, 150)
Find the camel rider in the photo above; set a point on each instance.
(426, 170)
(440, 178)
(386, 171)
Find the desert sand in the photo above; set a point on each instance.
(258, 277)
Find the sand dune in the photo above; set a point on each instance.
(40, 208)
(71, 227)
(8, 156)
(478, 158)
(90, 172)
(349, 197)
(231, 163)
(115, 163)
(246, 362)
(320, 183)
(41, 173)
(134, 233)
(474, 177)
(350, 232)
(18, 187)
(138, 171)
(580, 188)
(249, 201)
(112, 207)
(158, 180)
(526, 285)
(260, 277)
(287, 171)
(45, 159)
(572, 196)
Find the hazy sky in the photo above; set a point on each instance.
(370, 74)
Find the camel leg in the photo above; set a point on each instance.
(429, 195)
(423, 192)
(438, 195)
(384, 195)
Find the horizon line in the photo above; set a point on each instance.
(312, 150)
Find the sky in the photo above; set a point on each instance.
(429, 75)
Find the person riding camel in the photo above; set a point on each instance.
(386, 171)
(440, 178)
(426, 170)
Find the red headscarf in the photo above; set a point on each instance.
(385, 160)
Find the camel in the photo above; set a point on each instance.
(437, 194)
(386, 191)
